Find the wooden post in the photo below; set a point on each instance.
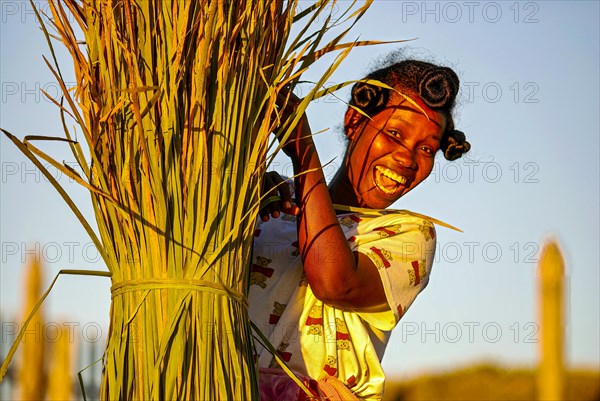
(31, 374)
(551, 319)
(59, 376)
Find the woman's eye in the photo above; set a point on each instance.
(427, 150)
(394, 133)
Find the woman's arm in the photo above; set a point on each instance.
(336, 275)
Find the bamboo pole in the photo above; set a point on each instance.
(551, 319)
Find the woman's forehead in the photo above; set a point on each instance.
(412, 108)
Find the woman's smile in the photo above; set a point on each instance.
(389, 181)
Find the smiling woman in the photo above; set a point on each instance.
(327, 286)
(393, 151)
(389, 155)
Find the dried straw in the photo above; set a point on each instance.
(176, 102)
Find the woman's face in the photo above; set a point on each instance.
(392, 153)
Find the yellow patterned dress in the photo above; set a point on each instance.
(320, 341)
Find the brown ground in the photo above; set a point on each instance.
(489, 382)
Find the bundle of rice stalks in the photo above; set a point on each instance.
(176, 102)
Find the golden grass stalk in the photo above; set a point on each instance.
(174, 100)
(31, 374)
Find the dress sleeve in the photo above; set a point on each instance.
(402, 247)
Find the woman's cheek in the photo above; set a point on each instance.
(426, 168)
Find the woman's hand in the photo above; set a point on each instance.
(274, 186)
(301, 136)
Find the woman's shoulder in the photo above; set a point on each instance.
(392, 222)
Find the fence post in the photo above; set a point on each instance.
(551, 273)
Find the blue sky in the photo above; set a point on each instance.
(529, 106)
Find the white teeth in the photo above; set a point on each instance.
(391, 175)
(392, 182)
(387, 191)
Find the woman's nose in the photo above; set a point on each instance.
(405, 157)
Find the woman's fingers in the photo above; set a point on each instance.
(287, 103)
(284, 191)
(268, 192)
(293, 210)
(270, 189)
(274, 186)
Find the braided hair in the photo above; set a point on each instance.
(436, 86)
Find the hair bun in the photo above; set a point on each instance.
(438, 87)
(454, 145)
(369, 98)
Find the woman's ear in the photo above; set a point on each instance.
(352, 120)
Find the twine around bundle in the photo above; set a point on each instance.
(178, 284)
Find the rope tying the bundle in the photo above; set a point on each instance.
(178, 284)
